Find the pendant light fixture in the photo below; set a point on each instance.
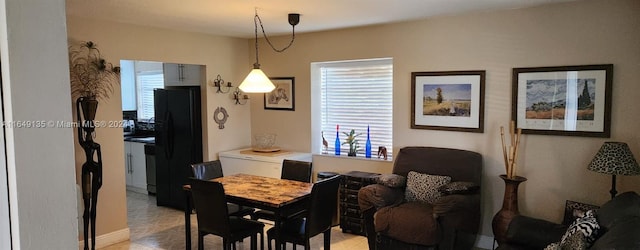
(257, 81)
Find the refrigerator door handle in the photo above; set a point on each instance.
(166, 135)
(170, 135)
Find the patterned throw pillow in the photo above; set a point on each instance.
(391, 180)
(573, 242)
(424, 187)
(581, 233)
(459, 187)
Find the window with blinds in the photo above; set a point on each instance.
(149, 76)
(357, 95)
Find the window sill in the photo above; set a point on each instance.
(361, 158)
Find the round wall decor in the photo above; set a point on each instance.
(220, 116)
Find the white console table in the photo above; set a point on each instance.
(269, 164)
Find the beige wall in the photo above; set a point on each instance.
(221, 55)
(577, 33)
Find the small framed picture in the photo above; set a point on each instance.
(448, 100)
(283, 96)
(564, 100)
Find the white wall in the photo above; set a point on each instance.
(35, 86)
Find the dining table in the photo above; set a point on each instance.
(285, 198)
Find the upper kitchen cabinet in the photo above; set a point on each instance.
(128, 85)
(183, 74)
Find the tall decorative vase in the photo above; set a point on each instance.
(509, 207)
(367, 147)
(337, 144)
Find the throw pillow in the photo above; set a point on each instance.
(587, 225)
(391, 180)
(459, 187)
(424, 187)
(574, 242)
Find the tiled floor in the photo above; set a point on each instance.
(154, 227)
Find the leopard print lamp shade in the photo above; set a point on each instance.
(614, 158)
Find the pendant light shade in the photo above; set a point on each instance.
(256, 82)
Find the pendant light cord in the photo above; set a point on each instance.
(257, 20)
(255, 26)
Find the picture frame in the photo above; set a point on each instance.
(448, 100)
(542, 102)
(283, 96)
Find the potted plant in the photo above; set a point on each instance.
(92, 77)
(352, 141)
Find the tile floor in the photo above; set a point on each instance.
(154, 227)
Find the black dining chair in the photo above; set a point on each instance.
(291, 170)
(213, 217)
(316, 220)
(296, 170)
(211, 170)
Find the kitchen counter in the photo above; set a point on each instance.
(147, 139)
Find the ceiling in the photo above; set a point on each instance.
(235, 17)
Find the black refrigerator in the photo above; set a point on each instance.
(178, 127)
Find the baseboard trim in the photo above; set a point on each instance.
(484, 242)
(109, 239)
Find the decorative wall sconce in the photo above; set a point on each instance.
(240, 97)
(221, 85)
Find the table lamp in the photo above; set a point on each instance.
(614, 158)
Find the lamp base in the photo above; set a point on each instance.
(613, 190)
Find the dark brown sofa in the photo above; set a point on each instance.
(451, 223)
(619, 221)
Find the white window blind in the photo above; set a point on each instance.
(146, 82)
(354, 95)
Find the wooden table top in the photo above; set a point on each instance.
(270, 192)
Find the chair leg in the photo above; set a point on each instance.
(200, 241)
(261, 240)
(327, 239)
(269, 242)
(254, 242)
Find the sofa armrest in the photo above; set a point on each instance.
(377, 196)
(534, 233)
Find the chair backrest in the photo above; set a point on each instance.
(207, 170)
(211, 204)
(461, 165)
(296, 170)
(324, 200)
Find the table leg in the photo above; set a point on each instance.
(277, 224)
(187, 221)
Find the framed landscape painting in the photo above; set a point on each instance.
(448, 100)
(282, 97)
(564, 100)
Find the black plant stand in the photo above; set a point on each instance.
(91, 169)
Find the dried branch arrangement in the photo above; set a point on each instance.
(511, 152)
(91, 75)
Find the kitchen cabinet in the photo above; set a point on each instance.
(135, 167)
(128, 85)
(182, 74)
(246, 161)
